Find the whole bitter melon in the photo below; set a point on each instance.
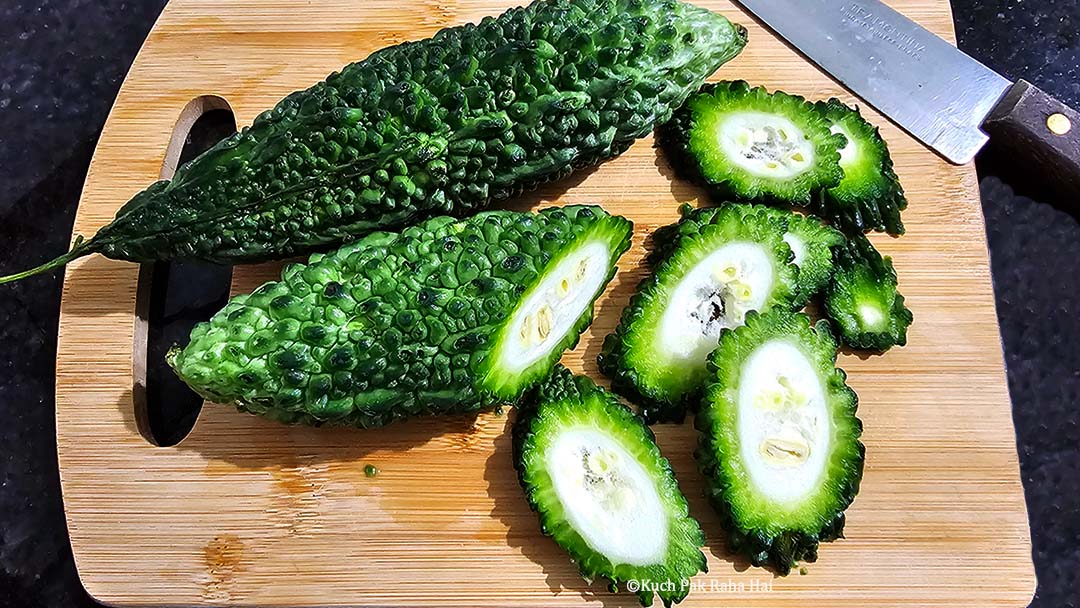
(716, 265)
(476, 113)
(779, 440)
(592, 471)
(448, 316)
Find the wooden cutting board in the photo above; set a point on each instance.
(249, 512)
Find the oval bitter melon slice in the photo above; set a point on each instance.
(719, 263)
(591, 469)
(779, 441)
(862, 298)
(448, 316)
(869, 197)
(748, 144)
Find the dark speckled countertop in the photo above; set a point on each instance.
(61, 64)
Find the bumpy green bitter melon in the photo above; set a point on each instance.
(445, 125)
(812, 243)
(447, 316)
(718, 264)
(591, 469)
(869, 197)
(779, 441)
(747, 144)
(863, 300)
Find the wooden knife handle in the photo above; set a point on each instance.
(1033, 126)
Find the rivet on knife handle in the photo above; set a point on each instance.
(1031, 124)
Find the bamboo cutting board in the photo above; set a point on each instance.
(248, 512)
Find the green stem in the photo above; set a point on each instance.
(79, 249)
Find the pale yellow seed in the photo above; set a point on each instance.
(563, 289)
(771, 164)
(783, 135)
(582, 266)
(798, 157)
(525, 332)
(784, 451)
(543, 321)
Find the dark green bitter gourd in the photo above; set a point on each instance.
(591, 469)
(718, 264)
(477, 113)
(448, 316)
(779, 443)
(862, 299)
(812, 243)
(869, 197)
(747, 144)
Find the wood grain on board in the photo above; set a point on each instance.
(246, 511)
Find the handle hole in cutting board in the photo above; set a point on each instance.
(174, 296)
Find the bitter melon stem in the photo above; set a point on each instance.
(81, 248)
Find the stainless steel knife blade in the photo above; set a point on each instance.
(926, 85)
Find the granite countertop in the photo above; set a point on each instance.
(62, 62)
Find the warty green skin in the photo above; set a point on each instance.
(816, 260)
(568, 400)
(770, 534)
(394, 325)
(865, 281)
(628, 355)
(446, 125)
(870, 196)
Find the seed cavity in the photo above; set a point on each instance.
(772, 146)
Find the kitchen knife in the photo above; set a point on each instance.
(940, 95)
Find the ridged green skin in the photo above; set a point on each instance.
(865, 282)
(813, 242)
(870, 196)
(475, 114)
(394, 325)
(690, 138)
(566, 401)
(631, 356)
(768, 532)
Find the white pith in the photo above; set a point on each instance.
(871, 315)
(798, 248)
(766, 145)
(783, 422)
(548, 313)
(850, 150)
(608, 497)
(743, 276)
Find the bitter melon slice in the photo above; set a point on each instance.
(719, 264)
(779, 441)
(869, 197)
(812, 243)
(592, 471)
(862, 298)
(748, 144)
